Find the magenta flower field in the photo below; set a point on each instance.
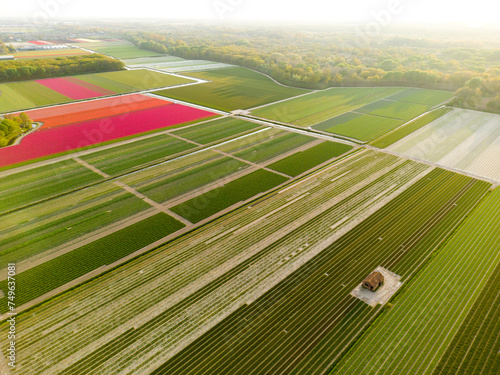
(49, 141)
(70, 89)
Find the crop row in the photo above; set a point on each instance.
(413, 126)
(413, 336)
(174, 183)
(279, 330)
(216, 130)
(302, 161)
(355, 125)
(56, 272)
(195, 260)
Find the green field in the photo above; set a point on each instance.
(421, 96)
(43, 182)
(267, 285)
(118, 50)
(183, 175)
(405, 340)
(217, 130)
(218, 199)
(395, 110)
(36, 229)
(151, 60)
(322, 105)
(409, 128)
(271, 147)
(475, 347)
(361, 127)
(302, 161)
(265, 144)
(231, 89)
(132, 80)
(50, 53)
(308, 320)
(120, 159)
(28, 94)
(67, 267)
(31, 94)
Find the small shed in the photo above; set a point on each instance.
(373, 281)
(6, 57)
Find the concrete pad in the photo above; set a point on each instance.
(384, 293)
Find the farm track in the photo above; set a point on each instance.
(197, 266)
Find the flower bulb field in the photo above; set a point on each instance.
(77, 134)
(218, 222)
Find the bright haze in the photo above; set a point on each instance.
(477, 13)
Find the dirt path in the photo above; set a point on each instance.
(91, 167)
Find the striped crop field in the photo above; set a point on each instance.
(174, 64)
(359, 113)
(137, 154)
(31, 94)
(28, 94)
(409, 128)
(94, 109)
(475, 347)
(43, 182)
(42, 279)
(50, 53)
(85, 134)
(74, 88)
(320, 106)
(36, 229)
(212, 202)
(184, 175)
(461, 139)
(302, 161)
(232, 89)
(217, 130)
(408, 341)
(117, 49)
(262, 290)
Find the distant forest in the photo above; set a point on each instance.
(319, 59)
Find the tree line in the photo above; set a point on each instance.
(11, 127)
(26, 69)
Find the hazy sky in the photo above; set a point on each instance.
(394, 11)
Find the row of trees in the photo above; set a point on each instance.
(12, 127)
(26, 69)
